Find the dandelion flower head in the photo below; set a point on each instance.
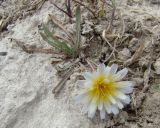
(104, 90)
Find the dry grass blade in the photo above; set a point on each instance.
(31, 49)
(80, 3)
(38, 4)
(65, 77)
(136, 55)
(68, 6)
(78, 27)
(105, 2)
(60, 25)
(146, 79)
(59, 86)
(66, 12)
(57, 36)
(105, 36)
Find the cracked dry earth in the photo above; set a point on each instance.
(27, 80)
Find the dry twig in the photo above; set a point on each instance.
(60, 85)
(80, 3)
(31, 49)
(104, 36)
(146, 79)
(60, 25)
(65, 77)
(136, 55)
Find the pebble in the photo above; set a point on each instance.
(124, 54)
(138, 81)
(157, 66)
(133, 44)
(3, 53)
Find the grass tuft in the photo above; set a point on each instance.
(63, 45)
(53, 41)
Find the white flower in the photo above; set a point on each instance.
(104, 90)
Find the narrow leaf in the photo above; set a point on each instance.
(53, 41)
(78, 27)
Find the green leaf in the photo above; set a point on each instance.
(53, 41)
(47, 32)
(78, 27)
(113, 3)
(101, 13)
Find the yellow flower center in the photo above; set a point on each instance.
(102, 88)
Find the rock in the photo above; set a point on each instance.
(27, 80)
(157, 66)
(124, 54)
(152, 111)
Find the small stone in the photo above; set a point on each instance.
(3, 53)
(123, 117)
(138, 81)
(157, 66)
(133, 44)
(99, 28)
(83, 40)
(124, 54)
(87, 28)
(143, 62)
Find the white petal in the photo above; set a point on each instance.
(83, 98)
(119, 104)
(114, 68)
(103, 113)
(127, 90)
(101, 68)
(113, 101)
(83, 84)
(106, 80)
(92, 108)
(108, 107)
(100, 106)
(80, 97)
(125, 86)
(87, 75)
(122, 84)
(107, 70)
(127, 100)
(114, 109)
(120, 95)
(121, 74)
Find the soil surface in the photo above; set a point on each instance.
(27, 77)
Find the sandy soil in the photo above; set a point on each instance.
(27, 80)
